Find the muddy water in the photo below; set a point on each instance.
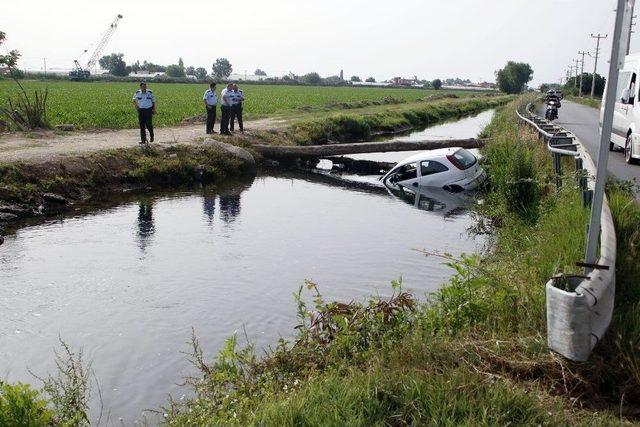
(127, 282)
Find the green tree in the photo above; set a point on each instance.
(514, 77)
(370, 80)
(436, 84)
(135, 67)
(312, 78)
(201, 73)
(355, 79)
(544, 88)
(175, 70)
(570, 85)
(259, 72)
(190, 71)
(9, 60)
(115, 64)
(221, 69)
(180, 63)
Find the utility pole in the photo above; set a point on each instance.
(581, 71)
(576, 68)
(633, 17)
(45, 66)
(595, 64)
(618, 49)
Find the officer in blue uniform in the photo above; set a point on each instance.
(237, 97)
(210, 102)
(145, 103)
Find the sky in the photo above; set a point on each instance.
(426, 38)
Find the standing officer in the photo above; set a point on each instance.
(145, 103)
(238, 98)
(210, 101)
(226, 104)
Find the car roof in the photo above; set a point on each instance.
(437, 154)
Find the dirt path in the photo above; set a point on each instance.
(41, 146)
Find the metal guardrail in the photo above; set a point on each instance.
(579, 308)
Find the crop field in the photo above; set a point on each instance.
(108, 104)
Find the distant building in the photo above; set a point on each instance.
(239, 77)
(147, 75)
(401, 81)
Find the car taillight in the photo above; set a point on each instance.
(455, 162)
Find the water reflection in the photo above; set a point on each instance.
(146, 228)
(436, 200)
(209, 207)
(229, 207)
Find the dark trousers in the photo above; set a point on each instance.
(224, 120)
(236, 113)
(145, 118)
(211, 118)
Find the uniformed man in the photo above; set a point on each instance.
(145, 103)
(236, 112)
(226, 104)
(210, 102)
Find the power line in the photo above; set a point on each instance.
(595, 64)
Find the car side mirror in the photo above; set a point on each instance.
(625, 96)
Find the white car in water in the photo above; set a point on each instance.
(453, 169)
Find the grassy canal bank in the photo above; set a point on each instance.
(39, 188)
(475, 354)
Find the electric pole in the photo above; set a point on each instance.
(595, 64)
(577, 61)
(581, 71)
(633, 17)
(45, 66)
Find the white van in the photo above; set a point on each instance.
(626, 118)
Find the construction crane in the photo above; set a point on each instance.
(80, 73)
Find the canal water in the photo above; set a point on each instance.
(128, 280)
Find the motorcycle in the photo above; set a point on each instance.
(552, 111)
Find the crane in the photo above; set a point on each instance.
(80, 73)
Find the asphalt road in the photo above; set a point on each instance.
(583, 122)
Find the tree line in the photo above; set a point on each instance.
(116, 65)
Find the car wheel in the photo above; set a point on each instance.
(628, 151)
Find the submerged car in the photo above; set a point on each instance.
(453, 169)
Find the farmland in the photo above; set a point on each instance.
(108, 105)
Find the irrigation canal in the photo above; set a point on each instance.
(127, 279)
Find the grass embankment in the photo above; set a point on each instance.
(589, 102)
(108, 104)
(366, 122)
(25, 185)
(475, 354)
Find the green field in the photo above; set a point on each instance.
(108, 105)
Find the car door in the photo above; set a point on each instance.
(406, 175)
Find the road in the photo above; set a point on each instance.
(583, 122)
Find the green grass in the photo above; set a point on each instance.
(108, 105)
(589, 102)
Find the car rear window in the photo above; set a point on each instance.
(465, 158)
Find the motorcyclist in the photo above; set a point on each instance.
(552, 96)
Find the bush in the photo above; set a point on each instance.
(22, 406)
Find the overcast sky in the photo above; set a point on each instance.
(383, 39)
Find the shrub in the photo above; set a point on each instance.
(22, 406)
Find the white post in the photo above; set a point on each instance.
(618, 51)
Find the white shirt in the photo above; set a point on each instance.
(226, 97)
(144, 100)
(211, 97)
(237, 97)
